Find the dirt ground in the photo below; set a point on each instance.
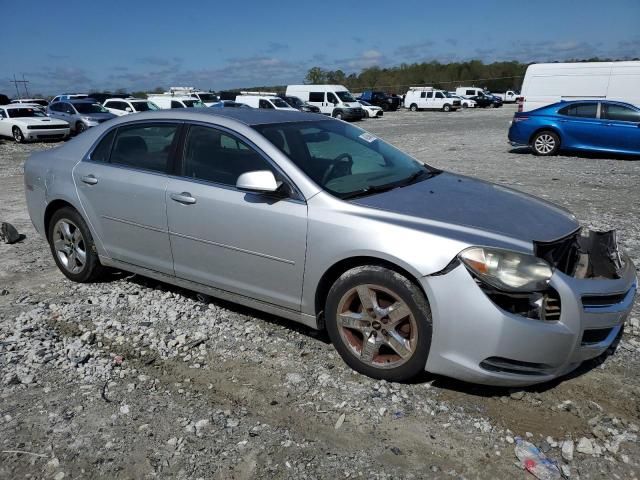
(130, 378)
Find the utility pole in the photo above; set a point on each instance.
(24, 85)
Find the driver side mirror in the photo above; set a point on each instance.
(128, 109)
(258, 181)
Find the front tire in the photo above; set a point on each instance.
(446, 108)
(337, 115)
(80, 127)
(72, 246)
(380, 323)
(545, 143)
(18, 136)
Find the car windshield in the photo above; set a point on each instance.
(144, 106)
(208, 97)
(344, 160)
(193, 103)
(25, 112)
(278, 102)
(89, 108)
(345, 96)
(294, 101)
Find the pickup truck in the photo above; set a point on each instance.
(380, 99)
(510, 96)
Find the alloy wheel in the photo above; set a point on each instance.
(544, 144)
(69, 246)
(377, 326)
(17, 135)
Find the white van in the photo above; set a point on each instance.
(165, 100)
(207, 98)
(428, 98)
(334, 100)
(263, 100)
(469, 91)
(547, 83)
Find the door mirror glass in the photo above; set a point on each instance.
(260, 181)
(128, 109)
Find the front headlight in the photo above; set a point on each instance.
(507, 270)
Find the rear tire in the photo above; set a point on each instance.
(72, 247)
(388, 335)
(18, 136)
(545, 143)
(413, 107)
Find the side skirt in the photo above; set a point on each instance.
(299, 317)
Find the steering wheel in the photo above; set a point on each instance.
(340, 166)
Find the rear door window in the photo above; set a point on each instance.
(582, 110)
(103, 150)
(145, 147)
(620, 113)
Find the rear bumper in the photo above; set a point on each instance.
(474, 340)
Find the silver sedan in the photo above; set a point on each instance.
(407, 267)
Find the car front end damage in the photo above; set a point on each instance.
(498, 336)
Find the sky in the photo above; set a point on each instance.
(140, 45)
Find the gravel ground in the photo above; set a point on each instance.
(131, 378)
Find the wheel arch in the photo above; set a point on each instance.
(334, 272)
(53, 207)
(551, 128)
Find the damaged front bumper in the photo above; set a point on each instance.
(474, 339)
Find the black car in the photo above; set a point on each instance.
(484, 101)
(299, 104)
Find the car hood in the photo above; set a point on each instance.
(98, 116)
(464, 201)
(39, 121)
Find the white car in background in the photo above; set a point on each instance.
(370, 111)
(26, 122)
(465, 102)
(125, 106)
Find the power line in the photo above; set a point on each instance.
(23, 82)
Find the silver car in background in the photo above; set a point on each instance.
(407, 267)
(80, 113)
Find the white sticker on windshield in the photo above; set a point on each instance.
(367, 137)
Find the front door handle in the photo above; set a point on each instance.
(89, 179)
(185, 198)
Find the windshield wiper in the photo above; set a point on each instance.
(369, 190)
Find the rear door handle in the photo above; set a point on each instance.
(89, 179)
(185, 198)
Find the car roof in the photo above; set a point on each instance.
(594, 100)
(247, 116)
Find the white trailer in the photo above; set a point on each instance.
(547, 83)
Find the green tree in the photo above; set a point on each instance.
(315, 75)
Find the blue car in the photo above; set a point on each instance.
(584, 125)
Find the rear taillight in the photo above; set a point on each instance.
(517, 119)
